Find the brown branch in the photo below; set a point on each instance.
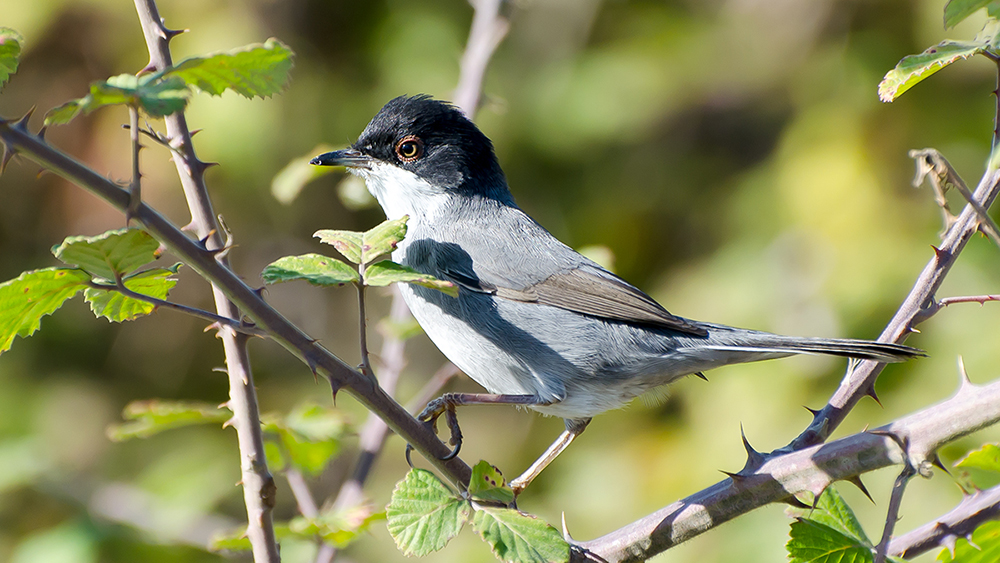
(975, 509)
(812, 469)
(258, 484)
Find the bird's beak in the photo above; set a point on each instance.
(347, 157)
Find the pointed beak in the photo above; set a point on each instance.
(348, 157)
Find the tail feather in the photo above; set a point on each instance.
(766, 343)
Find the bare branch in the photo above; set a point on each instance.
(981, 506)
(489, 27)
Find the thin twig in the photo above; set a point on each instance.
(489, 27)
(981, 299)
(193, 311)
(892, 513)
(258, 484)
(135, 186)
(366, 366)
(300, 490)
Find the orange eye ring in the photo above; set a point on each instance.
(409, 148)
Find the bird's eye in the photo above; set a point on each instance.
(409, 148)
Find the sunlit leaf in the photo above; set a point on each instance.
(347, 243)
(122, 251)
(252, 70)
(156, 96)
(984, 548)
(518, 537)
(10, 53)
(488, 484)
(812, 542)
(914, 68)
(382, 239)
(313, 268)
(957, 10)
(289, 181)
(424, 514)
(384, 273)
(986, 458)
(117, 307)
(146, 418)
(32, 295)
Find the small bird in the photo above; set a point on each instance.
(535, 322)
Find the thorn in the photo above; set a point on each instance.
(259, 292)
(936, 462)
(22, 124)
(871, 393)
(8, 154)
(566, 535)
(41, 132)
(700, 375)
(964, 383)
(816, 496)
(736, 477)
(196, 131)
(794, 502)
(913, 330)
(813, 411)
(204, 239)
(856, 481)
(171, 33)
(940, 254)
(224, 405)
(150, 67)
(214, 326)
(190, 228)
(229, 422)
(754, 458)
(221, 370)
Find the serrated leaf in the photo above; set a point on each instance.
(32, 295)
(515, 536)
(122, 251)
(488, 484)
(986, 458)
(986, 549)
(313, 268)
(382, 239)
(914, 68)
(289, 181)
(384, 273)
(146, 418)
(116, 307)
(253, 70)
(813, 542)
(424, 514)
(957, 10)
(10, 53)
(833, 511)
(347, 243)
(156, 95)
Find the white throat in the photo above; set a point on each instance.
(401, 192)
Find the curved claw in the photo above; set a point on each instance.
(409, 448)
(453, 452)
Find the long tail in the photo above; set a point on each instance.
(774, 345)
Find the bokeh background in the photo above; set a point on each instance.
(731, 155)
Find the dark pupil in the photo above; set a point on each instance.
(408, 149)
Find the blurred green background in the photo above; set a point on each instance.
(731, 154)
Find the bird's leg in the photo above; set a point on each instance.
(574, 427)
(445, 404)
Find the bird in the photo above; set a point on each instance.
(535, 323)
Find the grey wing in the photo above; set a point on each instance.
(598, 293)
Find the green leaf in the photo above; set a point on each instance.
(337, 527)
(957, 10)
(275, 459)
(154, 94)
(146, 418)
(915, 68)
(986, 549)
(833, 511)
(289, 181)
(813, 542)
(116, 307)
(253, 70)
(384, 273)
(313, 268)
(347, 243)
(382, 239)
(32, 295)
(986, 458)
(487, 484)
(515, 536)
(122, 251)
(424, 514)
(10, 53)
(310, 435)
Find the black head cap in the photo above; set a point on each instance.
(436, 141)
